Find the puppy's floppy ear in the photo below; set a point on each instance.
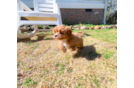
(68, 31)
(55, 29)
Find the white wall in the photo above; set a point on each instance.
(73, 4)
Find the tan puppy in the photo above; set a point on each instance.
(67, 39)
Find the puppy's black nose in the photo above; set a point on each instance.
(56, 35)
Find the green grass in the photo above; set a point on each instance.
(41, 26)
(109, 35)
(88, 25)
(106, 53)
(36, 47)
(29, 43)
(95, 80)
(92, 40)
(62, 69)
(71, 70)
(111, 80)
(96, 83)
(79, 85)
(57, 65)
(84, 24)
(29, 82)
(44, 71)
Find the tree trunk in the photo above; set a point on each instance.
(110, 7)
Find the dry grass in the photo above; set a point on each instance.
(42, 65)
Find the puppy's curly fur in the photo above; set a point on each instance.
(67, 39)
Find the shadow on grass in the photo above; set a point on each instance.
(88, 52)
(86, 34)
(40, 37)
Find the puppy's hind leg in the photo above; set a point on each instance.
(80, 47)
(73, 48)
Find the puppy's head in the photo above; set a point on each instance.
(62, 32)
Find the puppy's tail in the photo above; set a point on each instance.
(82, 33)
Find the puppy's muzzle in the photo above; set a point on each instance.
(56, 36)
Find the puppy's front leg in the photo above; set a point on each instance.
(62, 48)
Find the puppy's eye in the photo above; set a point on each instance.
(61, 33)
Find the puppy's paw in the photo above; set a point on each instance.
(63, 50)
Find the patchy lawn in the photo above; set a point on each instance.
(40, 64)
